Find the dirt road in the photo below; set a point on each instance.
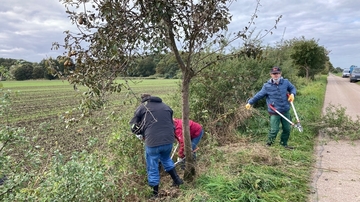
(336, 177)
(341, 91)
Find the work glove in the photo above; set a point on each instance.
(180, 159)
(291, 98)
(136, 129)
(181, 162)
(248, 106)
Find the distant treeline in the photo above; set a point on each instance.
(13, 69)
(291, 55)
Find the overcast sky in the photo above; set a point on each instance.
(29, 27)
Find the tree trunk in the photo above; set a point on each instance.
(307, 73)
(189, 163)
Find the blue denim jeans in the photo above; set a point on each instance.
(153, 155)
(195, 142)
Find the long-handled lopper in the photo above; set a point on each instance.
(179, 161)
(172, 155)
(298, 126)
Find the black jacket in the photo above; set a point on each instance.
(155, 119)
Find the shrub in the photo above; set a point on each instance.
(38, 72)
(83, 178)
(18, 167)
(23, 72)
(218, 95)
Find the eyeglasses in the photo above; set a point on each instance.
(275, 73)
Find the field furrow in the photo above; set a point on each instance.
(38, 106)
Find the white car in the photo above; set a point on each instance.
(346, 73)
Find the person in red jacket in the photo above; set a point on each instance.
(196, 132)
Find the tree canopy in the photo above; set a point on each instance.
(113, 33)
(309, 56)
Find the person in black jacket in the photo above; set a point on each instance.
(154, 120)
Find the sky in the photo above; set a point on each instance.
(28, 28)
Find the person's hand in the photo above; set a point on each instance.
(135, 128)
(248, 106)
(291, 98)
(180, 159)
(140, 137)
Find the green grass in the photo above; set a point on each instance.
(39, 103)
(34, 83)
(136, 83)
(252, 172)
(244, 170)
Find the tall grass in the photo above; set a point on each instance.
(242, 170)
(246, 170)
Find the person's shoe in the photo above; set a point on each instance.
(176, 179)
(155, 193)
(177, 184)
(268, 144)
(288, 147)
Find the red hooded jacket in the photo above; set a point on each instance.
(195, 130)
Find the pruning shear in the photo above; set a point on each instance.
(179, 161)
(297, 125)
(174, 150)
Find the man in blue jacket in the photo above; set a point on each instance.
(154, 120)
(278, 92)
(352, 68)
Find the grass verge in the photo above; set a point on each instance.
(246, 170)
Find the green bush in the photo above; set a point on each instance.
(83, 178)
(23, 72)
(18, 167)
(38, 72)
(218, 95)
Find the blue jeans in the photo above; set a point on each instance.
(153, 155)
(195, 142)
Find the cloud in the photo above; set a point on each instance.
(29, 27)
(334, 23)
